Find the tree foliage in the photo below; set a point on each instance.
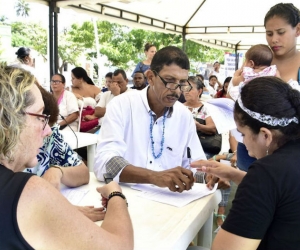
(22, 8)
(30, 35)
(122, 46)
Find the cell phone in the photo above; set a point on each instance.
(107, 177)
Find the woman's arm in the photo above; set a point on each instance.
(75, 176)
(209, 128)
(53, 223)
(68, 167)
(228, 241)
(69, 176)
(69, 119)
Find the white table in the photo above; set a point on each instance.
(159, 226)
(83, 140)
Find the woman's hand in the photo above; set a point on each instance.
(93, 213)
(233, 160)
(219, 170)
(214, 168)
(106, 190)
(89, 117)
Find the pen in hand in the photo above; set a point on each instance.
(189, 155)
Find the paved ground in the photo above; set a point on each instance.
(231, 197)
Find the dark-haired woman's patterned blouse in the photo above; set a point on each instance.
(55, 151)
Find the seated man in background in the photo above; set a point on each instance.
(108, 81)
(211, 85)
(58, 163)
(139, 80)
(117, 86)
(147, 136)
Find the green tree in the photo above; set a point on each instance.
(34, 36)
(4, 20)
(68, 50)
(22, 8)
(30, 35)
(198, 53)
(113, 40)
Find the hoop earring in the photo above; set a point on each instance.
(267, 152)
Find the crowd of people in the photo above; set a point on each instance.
(156, 133)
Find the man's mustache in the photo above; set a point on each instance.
(174, 95)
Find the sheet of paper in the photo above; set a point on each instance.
(222, 115)
(164, 195)
(224, 103)
(73, 195)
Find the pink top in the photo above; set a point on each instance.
(60, 98)
(249, 74)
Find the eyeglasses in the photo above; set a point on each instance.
(55, 81)
(43, 118)
(183, 85)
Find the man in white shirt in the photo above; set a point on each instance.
(147, 136)
(220, 76)
(117, 87)
(139, 80)
(211, 85)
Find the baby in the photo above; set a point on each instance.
(258, 63)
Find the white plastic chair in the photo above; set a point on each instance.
(80, 106)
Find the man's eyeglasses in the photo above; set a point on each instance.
(55, 81)
(43, 118)
(183, 85)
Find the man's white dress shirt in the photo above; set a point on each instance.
(125, 132)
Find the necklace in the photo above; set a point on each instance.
(162, 138)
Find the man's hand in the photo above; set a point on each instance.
(115, 88)
(54, 176)
(94, 214)
(176, 179)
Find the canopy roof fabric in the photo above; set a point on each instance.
(227, 24)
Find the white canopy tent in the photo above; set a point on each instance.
(226, 24)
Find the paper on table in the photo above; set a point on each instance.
(164, 195)
(73, 195)
(221, 111)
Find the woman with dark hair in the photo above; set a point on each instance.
(264, 213)
(85, 90)
(23, 55)
(223, 92)
(150, 50)
(25, 61)
(58, 163)
(67, 103)
(282, 24)
(199, 111)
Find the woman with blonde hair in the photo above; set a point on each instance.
(34, 215)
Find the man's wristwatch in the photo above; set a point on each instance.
(107, 177)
